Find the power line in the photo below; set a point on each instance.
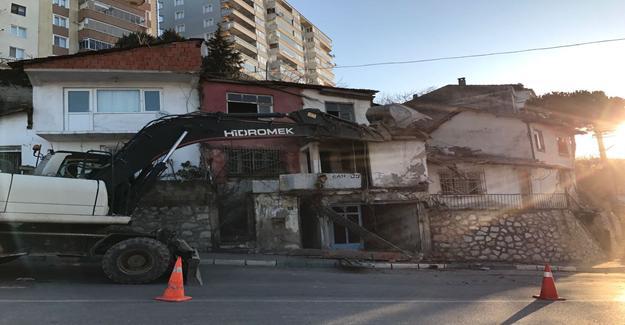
(476, 55)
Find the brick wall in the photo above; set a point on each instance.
(178, 56)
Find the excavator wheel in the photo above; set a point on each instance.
(136, 260)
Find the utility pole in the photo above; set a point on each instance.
(602, 152)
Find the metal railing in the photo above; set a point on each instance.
(499, 201)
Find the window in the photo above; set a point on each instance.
(245, 162)
(10, 159)
(91, 44)
(343, 111)
(462, 182)
(60, 41)
(152, 100)
(16, 53)
(178, 2)
(208, 8)
(209, 22)
(343, 235)
(78, 101)
(179, 15)
(114, 100)
(563, 146)
(245, 103)
(62, 3)
(208, 36)
(539, 140)
(271, 10)
(118, 101)
(60, 21)
(18, 31)
(180, 29)
(18, 10)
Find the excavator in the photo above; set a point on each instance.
(80, 203)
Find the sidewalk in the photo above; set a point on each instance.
(263, 260)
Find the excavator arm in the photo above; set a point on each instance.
(138, 164)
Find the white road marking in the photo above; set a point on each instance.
(297, 301)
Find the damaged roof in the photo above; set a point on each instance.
(506, 100)
(285, 84)
(451, 155)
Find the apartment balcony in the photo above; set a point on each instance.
(235, 28)
(232, 14)
(239, 4)
(500, 201)
(112, 15)
(243, 43)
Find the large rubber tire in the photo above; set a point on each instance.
(136, 260)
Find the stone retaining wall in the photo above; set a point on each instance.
(521, 236)
(186, 207)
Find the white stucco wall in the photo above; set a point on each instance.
(397, 163)
(494, 135)
(551, 155)
(49, 115)
(313, 99)
(13, 132)
(505, 179)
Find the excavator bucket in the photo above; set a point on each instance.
(192, 273)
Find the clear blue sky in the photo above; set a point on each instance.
(365, 31)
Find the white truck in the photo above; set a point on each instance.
(79, 204)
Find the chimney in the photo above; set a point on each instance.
(462, 81)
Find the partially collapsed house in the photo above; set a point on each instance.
(376, 185)
(502, 177)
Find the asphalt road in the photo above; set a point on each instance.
(47, 294)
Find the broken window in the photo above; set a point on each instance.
(247, 103)
(245, 162)
(563, 146)
(341, 110)
(539, 140)
(342, 235)
(462, 182)
(10, 159)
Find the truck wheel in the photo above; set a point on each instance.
(136, 260)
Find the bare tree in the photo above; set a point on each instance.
(400, 97)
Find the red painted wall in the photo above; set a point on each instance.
(284, 100)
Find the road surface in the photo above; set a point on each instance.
(37, 293)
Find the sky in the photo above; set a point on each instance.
(367, 31)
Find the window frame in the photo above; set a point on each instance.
(539, 140)
(178, 3)
(17, 151)
(566, 141)
(207, 8)
(245, 102)
(352, 111)
(58, 3)
(180, 28)
(269, 166)
(211, 22)
(17, 29)
(455, 182)
(179, 13)
(55, 36)
(15, 9)
(59, 17)
(93, 100)
(17, 49)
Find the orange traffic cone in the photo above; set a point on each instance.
(175, 287)
(548, 289)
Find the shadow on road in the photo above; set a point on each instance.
(527, 310)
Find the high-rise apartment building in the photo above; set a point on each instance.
(39, 28)
(275, 40)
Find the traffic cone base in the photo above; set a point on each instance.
(548, 289)
(175, 286)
